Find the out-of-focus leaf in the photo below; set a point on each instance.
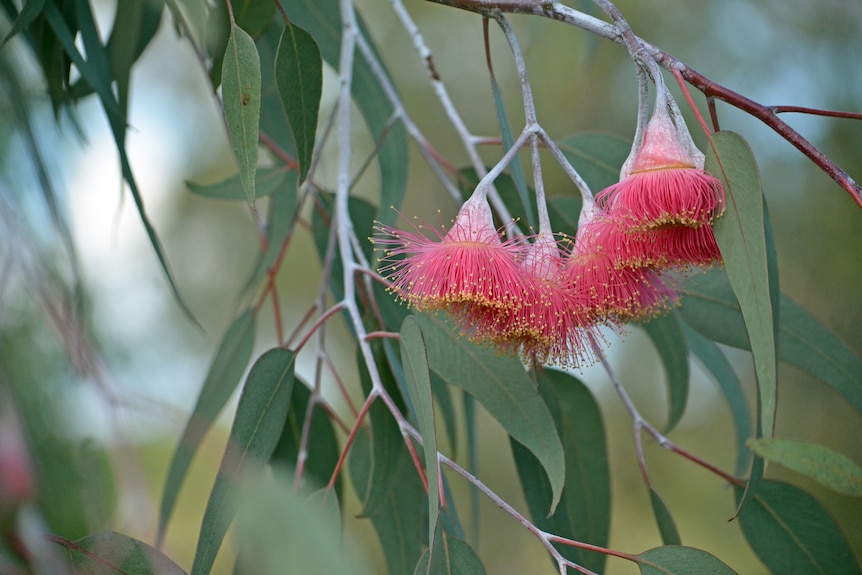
(597, 157)
(323, 450)
(98, 79)
(281, 531)
(677, 560)
(400, 519)
(793, 533)
(503, 387)
(29, 12)
(387, 448)
(322, 19)
(222, 378)
(254, 434)
(418, 379)
(741, 236)
(451, 556)
(241, 95)
(666, 524)
(515, 166)
(585, 506)
(668, 338)
(135, 25)
(831, 468)
(711, 308)
(113, 553)
(267, 180)
(299, 78)
(717, 364)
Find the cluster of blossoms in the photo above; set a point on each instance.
(545, 298)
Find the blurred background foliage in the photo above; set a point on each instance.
(99, 367)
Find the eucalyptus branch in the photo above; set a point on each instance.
(712, 90)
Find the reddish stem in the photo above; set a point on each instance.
(347, 444)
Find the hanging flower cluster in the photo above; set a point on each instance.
(546, 299)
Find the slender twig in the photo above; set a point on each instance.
(712, 90)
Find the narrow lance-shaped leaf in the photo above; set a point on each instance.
(400, 518)
(387, 447)
(299, 78)
(254, 434)
(97, 80)
(418, 379)
(222, 378)
(113, 553)
(508, 141)
(667, 336)
(503, 387)
(742, 238)
(830, 468)
(29, 12)
(666, 524)
(322, 19)
(241, 96)
(584, 512)
(792, 533)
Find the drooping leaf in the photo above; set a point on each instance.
(283, 531)
(451, 556)
(508, 140)
(678, 560)
(503, 387)
(793, 533)
(668, 338)
(241, 82)
(98, 78)
(256, 428)
(584, 510)
(322, 19)
(323, 450)
(112, 553)
(299, 78)
(831, 468)
(28, 14)
(666, 524)
(717, 364)
(598, 157)
(387, 447)
(741, 237)
(267, 180)
(225, 371)
(418, 379)
(400, 519)
(711, 308)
